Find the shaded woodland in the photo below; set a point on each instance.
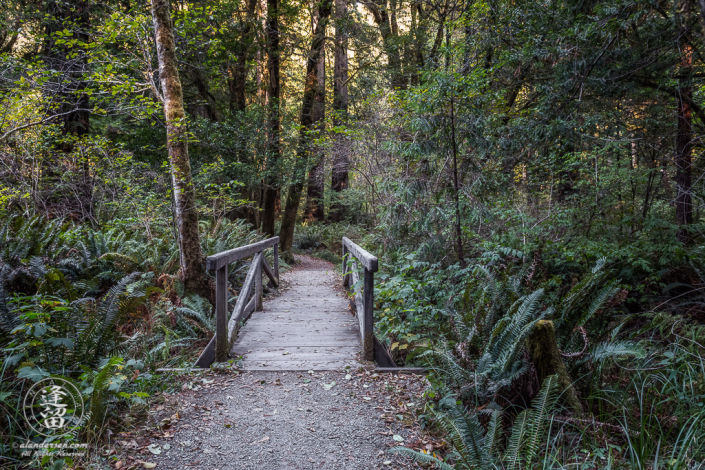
(529, 174)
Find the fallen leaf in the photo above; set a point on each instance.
(149, 465)
(155, 449)
(398, 438)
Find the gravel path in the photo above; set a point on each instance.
(281, 420)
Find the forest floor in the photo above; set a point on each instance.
(340, 419)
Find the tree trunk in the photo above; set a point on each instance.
(314, 190)
(544, 353)
(683, 161)
(340, 107)
(192, 271)
(205, 107)
(273, 144)
(390, 41)
(307, 125)
(244, 55)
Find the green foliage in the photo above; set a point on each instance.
(477, 449)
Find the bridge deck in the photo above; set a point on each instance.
(307, 327)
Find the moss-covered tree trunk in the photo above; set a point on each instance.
(192, 270)
(315, 188)
(544, 353)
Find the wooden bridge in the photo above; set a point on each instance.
(310, 325)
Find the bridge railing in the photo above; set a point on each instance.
(226, 328)
(372, 349)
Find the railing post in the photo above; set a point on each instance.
(346, 276)
(368, 340)
(258, 284)
(276, 260)
(221, 314)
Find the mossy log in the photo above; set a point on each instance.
(544, 353)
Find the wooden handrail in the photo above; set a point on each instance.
(224, 258)
(367, 260)
(364, 298)
(226, 328)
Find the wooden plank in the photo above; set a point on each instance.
(289, 330)
(278, 355)
(207, 356)
(258, 284)
(276, 261)
(269, 273)
(320, 341)
(222, 345)
(368, 344)
(241, 299)
(226, 257)
(367, 260)
(346, 276)
(276, 366)
(249, 308)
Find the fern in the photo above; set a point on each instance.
(608, 350)
(480, 450)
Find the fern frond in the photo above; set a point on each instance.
(607, 350)
(422, 457)
(541, 408)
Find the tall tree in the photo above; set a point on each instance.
(390, 39)
(244, 54)
(273, 143)
(314, 189)
(192, 269)
(340, 108)
(308, 124)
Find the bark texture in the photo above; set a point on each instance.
(192, 270)
(271, 194)
(314, 190)
(307, 125)
(340, 107)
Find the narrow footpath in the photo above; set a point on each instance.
(300, 416)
